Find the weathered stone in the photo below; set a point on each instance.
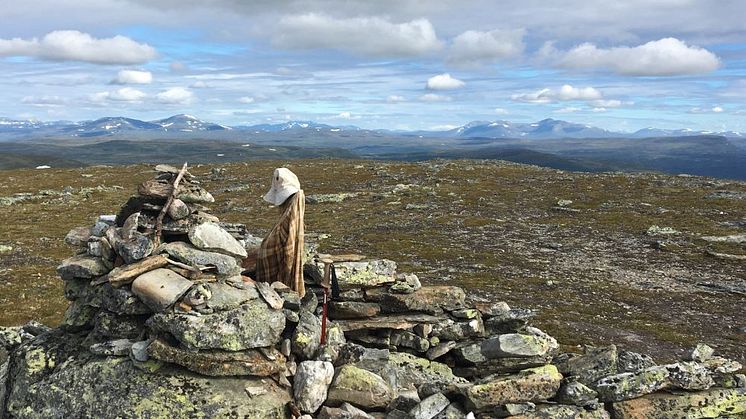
(269, 295)
(99, 228)
(178, 210)
(226, 297)
(701, 353)
(292, 300)
(514, 409)
(403, 338)
(78, 236)
(160, 288)
(689, 376)
(309, 302)
(225, 265)
(629, 385)
(211, 237)
(352, 310)
(359, 387)
(705, 404)
(466, 313)
(405, 321)
(453, 411)
(488, 310)
(595, 364)
(312, 380)
(352, 353)
(307, 336)
(363, 274)
(134, 249)
(441, 349)
(111, 325)
(406, 284)
(450, 330)
(502, 366)
(423, 330)
(130, 225)
(54, 378)
(514, 345)
(218, 363)
(117, 347)
(722, 365)
(409, 371)
(430, 407)
(355, 294)
(563, 412)
(577, 394)
(125, 274)
(291, 316)
(405, 400)
(469, 353)
(526, 386)
(76, 288)
(187, 192)
(432, 300)
(512, 321)
(82, 266)
(79, 316)
(118, 300)
(100, 247)
(633, 362)
(252, 325)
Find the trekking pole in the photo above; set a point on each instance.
(325, 283)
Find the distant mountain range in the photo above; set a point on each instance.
(544, 129)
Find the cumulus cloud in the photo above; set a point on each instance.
(432, 97)
(664, 57)
(344, 115)
(79, 46)
(395, 99)
(565, 93)
(444, 82)
(125, 94)
(473, 48)
(175, 96)
(361, 35)
(43, 101)
(246, 100)
(133, 77)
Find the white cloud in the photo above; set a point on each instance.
(395, 99)
(444, 82)
(344, 115)
(444, 127)
(432, 97)
(664, 57)
(125, 94)
(246, 99)
(714, 109)
(361, 35)
(569, 109)
(598, 110)
(199, 84)
(501, 111)
(717, 109)
(133, 77)
(43, 101)
(565, 93)
(79, 46)
(474, 48)
(175, 96)
(609, 103)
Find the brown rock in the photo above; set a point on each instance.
(160, 288)
(270, 295)
(125, 274)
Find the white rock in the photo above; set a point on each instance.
(212, 237)
(312, 380)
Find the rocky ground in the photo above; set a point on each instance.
(577, 247)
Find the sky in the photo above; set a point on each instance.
(396, 64)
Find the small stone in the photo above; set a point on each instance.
(493, 309)
(160, 288)
(432, 299)
(226, 297)
(178, 210)
(99, 228)
(139, 351)
(211, 237)
(407, 339)
(359, 387)
(118, 347)
(292, 300)
(353, 310)
(78, 236)
(129, 228)
(588, 368)
(405, 400)
(280, 287)
(285, 347)
(577, 394)
(82, 266)
(722, 365)
(440, 350)
(406, 284)
(136, 248)
(453, 411)
(628, 385)
(312, 380)
(269, 295)
(702, 353)
(225, 265)
(430, 407)
(307, 336)
(514, 409)
(529, 385)
(254, 391)
(354, 412)
(423, 329)
(466, 313)
(628, 361)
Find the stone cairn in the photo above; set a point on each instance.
(394, 348)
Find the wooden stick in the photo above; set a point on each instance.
(164, 210)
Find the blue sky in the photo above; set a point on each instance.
(400, 64)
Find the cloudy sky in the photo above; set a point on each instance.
(402, 64)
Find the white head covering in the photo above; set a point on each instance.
(284, 184)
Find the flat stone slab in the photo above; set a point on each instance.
(704, 404)
(353, 310)
(513, 345)
(160, 288)
(125, 274)
(82, 266)
(252, 325)
(186, 253)
(270, 295)
(219, 363)
(529, 385)
(361, 274)
(211, 237)
(432, 299)
(226, 297)
(388, 322)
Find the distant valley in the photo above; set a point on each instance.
(551, 143)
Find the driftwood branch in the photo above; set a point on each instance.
(164, 210)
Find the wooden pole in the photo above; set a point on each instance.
(164, 210)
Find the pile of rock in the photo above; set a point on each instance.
(165, 325)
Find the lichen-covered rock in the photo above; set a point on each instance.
(82, 266)
(226, 297)
(702, 353)
(79, 316)
(112, 325)
(628, 361)
(430, 407)
(406, 284)
(352, 310)
(135, 248)
(704, 404)
(432, 299)
(252, 325)
(526, 386)
(577, 394)
(689, 376)
(52, 378)
(515, 345)
(363, 274)
(563, 412)
(211, 237)
(405, 339)
(78, 236)
(117, 300)
(588, 368)
(219, 363)
(452, 330)
(312, 380)
(359, 387)
(409, 371)
(307, 336)
(629, 385)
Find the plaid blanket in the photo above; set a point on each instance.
(280, 257)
